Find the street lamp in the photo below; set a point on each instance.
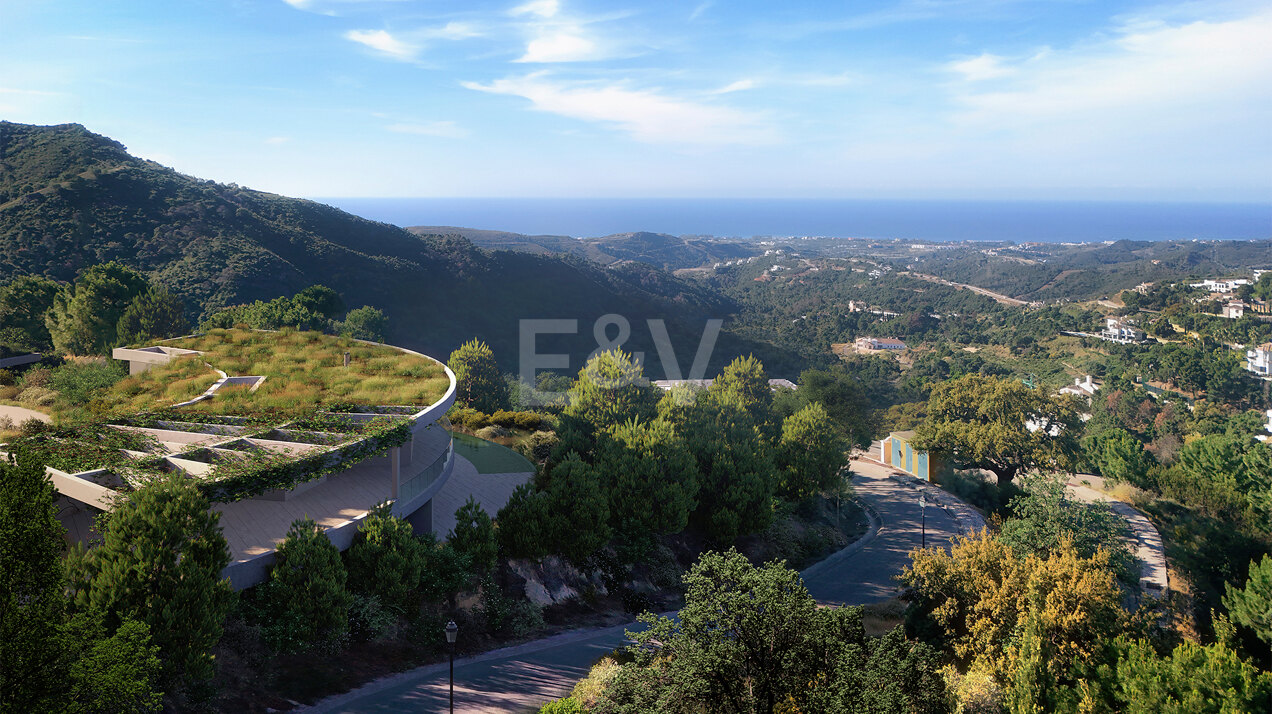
(923, 518)
(452, 630)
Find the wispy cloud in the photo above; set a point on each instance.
(385, 43)
(698, 11)
(738, 86)
(985, 66)
(555, 36)
(1143, 70)
(447, 129)
(647, 115)
(277, 140)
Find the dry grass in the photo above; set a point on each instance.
(879, 618)
(305, 370)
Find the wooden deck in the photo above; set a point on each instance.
(256, 526)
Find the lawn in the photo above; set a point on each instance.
(304, 370)
(489, 457)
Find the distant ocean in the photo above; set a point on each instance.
(1016, 221)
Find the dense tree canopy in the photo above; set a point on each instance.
(307, 603)
(999, 425)
(160, 562)
(23, 304)
(84, 318)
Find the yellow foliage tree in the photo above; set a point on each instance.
(982, 595)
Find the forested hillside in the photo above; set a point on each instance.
(70, 199)
(659, 249)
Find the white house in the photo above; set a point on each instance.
(1085, 387)
(1259, 360)
(1267, 427)
(879, 343)
(1121, 330)
(1234, 309)
(1220, 286)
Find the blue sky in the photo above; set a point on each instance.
(913, 98)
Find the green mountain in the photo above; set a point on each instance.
(70, 198)
(665, 251)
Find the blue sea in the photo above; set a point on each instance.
(1018, 221)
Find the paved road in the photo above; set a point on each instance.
(521, 678)
(1144, 540)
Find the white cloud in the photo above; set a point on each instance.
(986, 66)
(277, 140)
(1190, 70)
(647, 115)
(738, 86)
(454, 31)
(446, 129)
(567, 46)
(697, 11)
(383, 42)
(541, 8)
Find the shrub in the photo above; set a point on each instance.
(539, 446)
(37, 396)
(468, 418)
(7, 378)
(493, 432)
(529, 420)
(36, 377)
(504, 418)
(306, 598)
(474, 536)
(369, 620)
(6, 423)
(77, 383)
(569, 705)
(385, 561)
(9, 392)
(33, 426)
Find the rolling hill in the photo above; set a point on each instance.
(70, 198)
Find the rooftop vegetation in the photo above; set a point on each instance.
(304, 370)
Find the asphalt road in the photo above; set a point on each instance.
(521, 678)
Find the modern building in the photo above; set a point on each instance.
(1221, 286)
(341, 471)
(1085, 387)
(1259, 360)
(899, 453)
(1121, 330)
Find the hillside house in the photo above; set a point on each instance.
(875, 344)
(1259, 360)
(1234, 310)
(1121, 330)
(1085, 387)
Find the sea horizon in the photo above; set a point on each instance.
(1018, 221)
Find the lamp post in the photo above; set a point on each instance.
(452, 630)
(923, 518)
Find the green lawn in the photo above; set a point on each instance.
(489, 457)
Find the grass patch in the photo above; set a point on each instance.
(489, 457)
(305, 371)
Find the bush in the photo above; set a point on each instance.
(385, 560)
(493, 432)
(38, 396)
(9, 392)
(77, 383)
(504, 418)
(468, 418)
(569, 705)
(6, 424)
(539, 446)
(7, 378)
(36, 377)
(33, 426)
(529, 420)
(369, 620)
(306, 598)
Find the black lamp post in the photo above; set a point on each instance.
(923, 518)
(451, 631)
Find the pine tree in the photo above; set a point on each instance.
(306, 597)
(478, 383)
(1252, 605)
(160, 562)
(474, 537)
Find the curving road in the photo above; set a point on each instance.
(521, 678)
